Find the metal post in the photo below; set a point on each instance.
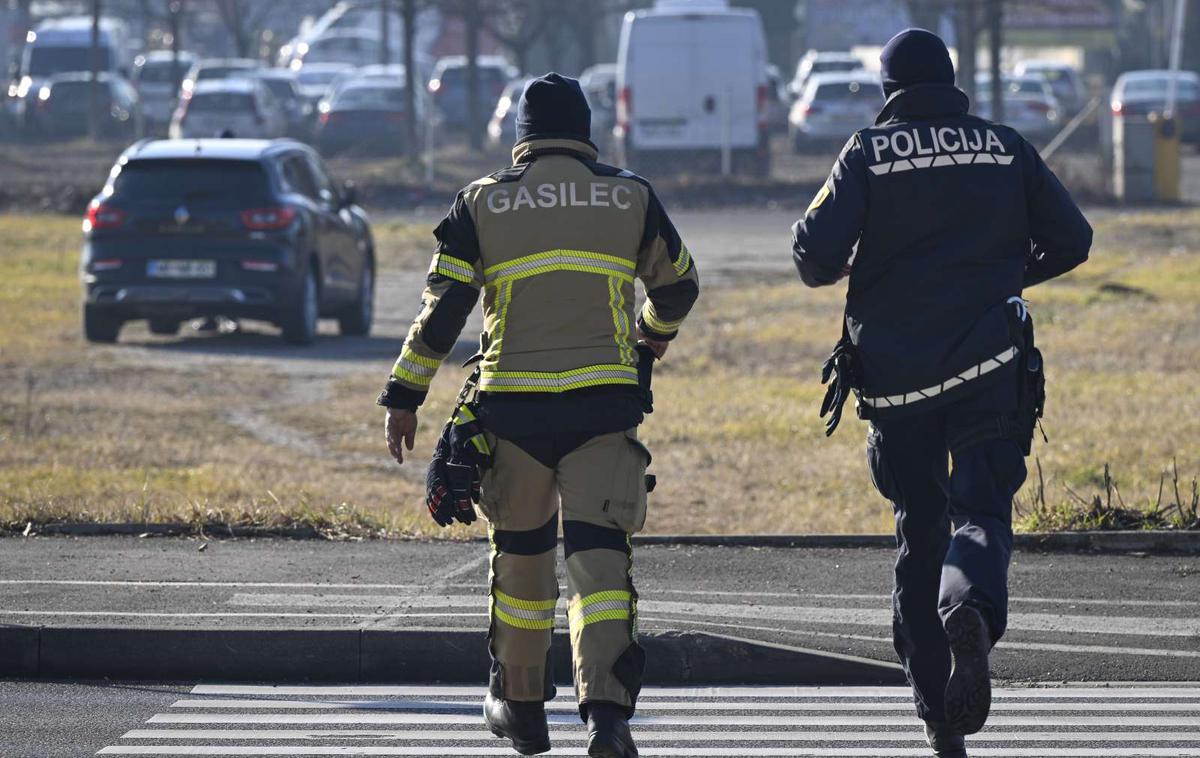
(995, 46)
(385, 52)
(94, 78)
(409, 10)
(1176, 56)
(726, 134)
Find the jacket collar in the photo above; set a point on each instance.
(525, 152)
(923, 101)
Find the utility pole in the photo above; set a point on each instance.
(967, 31)
(1176, 56)
(385, 40)
(995, 13)
(409, 14)
(94, 78)
(472, 21)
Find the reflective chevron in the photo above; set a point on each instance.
(940, 161)
(868, 722)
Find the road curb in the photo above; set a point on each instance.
(411, 655)
(1182, 542)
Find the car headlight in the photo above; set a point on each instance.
(24, 87)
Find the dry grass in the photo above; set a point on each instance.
(92, 433)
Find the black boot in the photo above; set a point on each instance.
(945, 742)
(608, 732)
(523, 723)
(969, 690)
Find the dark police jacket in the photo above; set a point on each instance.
(952, 215)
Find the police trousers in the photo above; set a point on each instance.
(951, 489)
(599, 481)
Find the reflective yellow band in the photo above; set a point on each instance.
(609, 605)
(523, 614)
(684, 262)
(557, 381)
(650, 316)
(522, 623)
(415, 369)
(528, 605)
(560, 260)
(616, 296)
(454, 268)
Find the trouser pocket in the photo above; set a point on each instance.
(877, 463)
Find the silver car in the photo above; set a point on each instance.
(832, 107)
(240, 107)
(157, 78)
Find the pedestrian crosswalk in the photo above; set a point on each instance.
(861, 722)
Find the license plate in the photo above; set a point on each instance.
(181, 269)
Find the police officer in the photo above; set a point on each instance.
(555, 243)
(941, 219)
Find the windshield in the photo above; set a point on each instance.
(238, 183)
(280, 88)
(369, 97)
(825, 67)
(45, 60)
(857, 92)
(220, 72)
(1151, 88)
(312, 78)
(223, 102)
(162, 72)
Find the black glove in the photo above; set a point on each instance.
(452, 483)
(842, 366)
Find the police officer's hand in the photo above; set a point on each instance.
(658, 346)
(401, 425)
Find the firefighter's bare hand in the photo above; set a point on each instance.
(401, 426)
(658, 346)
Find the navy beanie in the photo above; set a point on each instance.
(914, 56)
(553, 107)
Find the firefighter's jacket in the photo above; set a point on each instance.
(948, 216)
(554, 243)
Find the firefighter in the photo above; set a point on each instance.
(941, 220)
(554, 242)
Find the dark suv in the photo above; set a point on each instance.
(250, 229)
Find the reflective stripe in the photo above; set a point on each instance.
(557, 381)
(650, 316)
(895, 401)
(523, 614)
(684, 262)
(415, 369)
(500, 308)
(560, 260)
(454, 268)
(620, 320)
(609, 605)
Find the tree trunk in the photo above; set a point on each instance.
(995, 10)
(385, 53)
(472, 21)
(409, 11)
(94, 79)
(967, 31)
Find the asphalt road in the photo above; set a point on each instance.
(53, 720)
(1076, 617)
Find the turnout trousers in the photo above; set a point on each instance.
(951, 484)
(600, 481)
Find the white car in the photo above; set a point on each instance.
(1064, 81)
(691, 82)
(157, 78)
(832, 107)
(1033, 114)
(315, 79)
(217, 68)
(240, 107)
(357, 48)
(821, 62)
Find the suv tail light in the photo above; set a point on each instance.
(624, 111)
(268, 219)
(101, 216)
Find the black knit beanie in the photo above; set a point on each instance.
(553, 107)
(914, 56)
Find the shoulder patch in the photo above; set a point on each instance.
(510, 174)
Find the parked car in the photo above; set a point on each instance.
(315, 79)
(1064, 81)
(60, 109)
(242, 107)
(246, 229)
(448, 89)
(1137, 93)
(502, 128)
(284, 86)
(365, 115)
(674, 104)
(357, 48)
(821, 62)
(217, 68)
(832, 107)
(599, 83)
(1020, 85)
(1033, 114)
(157, 76)
(778, 102)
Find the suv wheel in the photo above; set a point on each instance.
(167, 327)
(300, 317)
(356, 320)
(100, 325)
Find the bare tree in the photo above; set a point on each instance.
(243, 19)
(408, 11)
(517, 25)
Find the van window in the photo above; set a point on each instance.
(45, 60)
(221, 102)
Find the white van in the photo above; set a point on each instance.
(692, 87)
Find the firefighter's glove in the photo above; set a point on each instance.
(842, 367)
(452, 483)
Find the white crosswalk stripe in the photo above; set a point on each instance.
(869, 722)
